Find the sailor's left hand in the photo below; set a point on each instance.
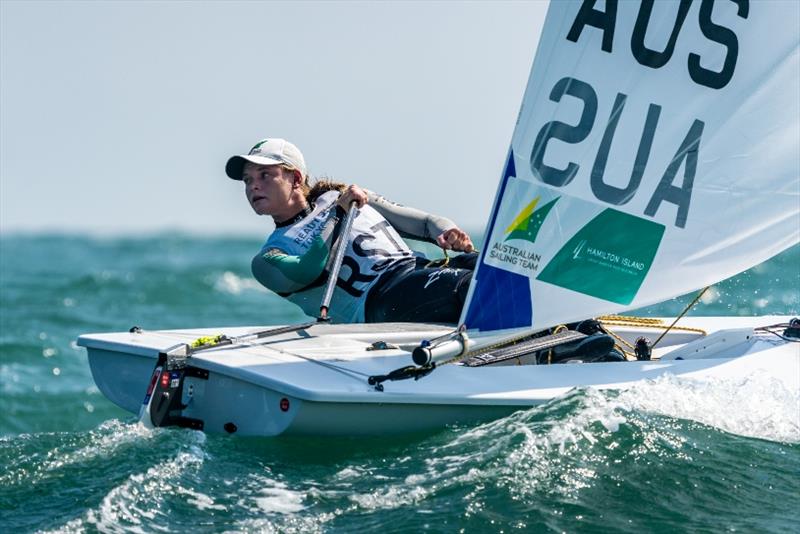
(353, 193)
(455, 239)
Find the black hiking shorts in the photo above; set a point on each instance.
(419, 294)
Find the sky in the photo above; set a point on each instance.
(118, 117)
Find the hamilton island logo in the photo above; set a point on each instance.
(525, 227)
(608, 258)
(577, 252)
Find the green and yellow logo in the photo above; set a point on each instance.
(527, 223)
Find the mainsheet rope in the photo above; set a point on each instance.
(606, 320)
(244, 348)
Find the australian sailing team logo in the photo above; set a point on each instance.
(514, 250)
(526, 225)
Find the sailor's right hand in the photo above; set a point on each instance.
(353, 193)
(455, 239)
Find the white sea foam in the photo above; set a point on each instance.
(275, 507)
(261, 494)
(390, 497)
(133, 505)
(286, 524)
(229, 282)
(758, 406)
(547, 450)
(279, 499)
(75, 526)
(201, 501)
(349, 473)
(124, 507)
(106, 440)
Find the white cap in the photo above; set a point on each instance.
(267, 152)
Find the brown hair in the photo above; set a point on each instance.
(323, 185)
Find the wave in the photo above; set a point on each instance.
(576, 462)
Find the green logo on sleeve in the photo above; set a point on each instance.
(608, 258)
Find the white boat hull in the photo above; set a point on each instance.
(286, 385)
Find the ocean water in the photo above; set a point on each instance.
(668, 455)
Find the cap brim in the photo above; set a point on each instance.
(235, 165)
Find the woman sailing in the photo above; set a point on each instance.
(381, 279)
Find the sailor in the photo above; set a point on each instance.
(381, 279)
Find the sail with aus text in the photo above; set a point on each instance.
(656, 152)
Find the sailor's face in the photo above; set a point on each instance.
(268, 188)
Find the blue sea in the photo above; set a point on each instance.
(669, 455)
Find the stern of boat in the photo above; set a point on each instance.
(121, 376)
(122, 366)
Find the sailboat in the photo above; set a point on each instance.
(655, 154)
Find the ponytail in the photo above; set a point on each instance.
(323, 185)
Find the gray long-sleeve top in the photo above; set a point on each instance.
(410, 223)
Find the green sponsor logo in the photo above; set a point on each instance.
(258, 145)
(527, 223)
(608, 258)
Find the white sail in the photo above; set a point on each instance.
(657, 151)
